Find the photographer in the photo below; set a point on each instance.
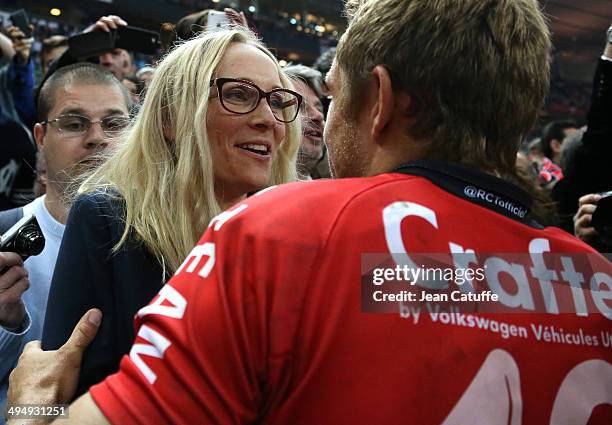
(583, 223)
(19, 78)
(117, 61)
(587, 167)
(74, 108)
(17, 117)
(52, 48)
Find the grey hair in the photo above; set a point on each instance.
(306, 74)
(144, 70)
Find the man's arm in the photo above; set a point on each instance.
(599, 128)
(21, 77)
(6, 48)
(14, 321)
(84, 411)
(50, 377)
(588, 169)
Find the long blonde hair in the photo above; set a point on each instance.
(162, 171)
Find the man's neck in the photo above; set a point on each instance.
(55, 206)
(385, 161)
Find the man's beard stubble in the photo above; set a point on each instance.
(346, 159)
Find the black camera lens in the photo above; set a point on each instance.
(29, 241)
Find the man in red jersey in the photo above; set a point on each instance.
(264, 322)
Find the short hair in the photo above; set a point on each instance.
(167, 183)
(54, 42)
(191, 25)
(477, 71)
(78, 73)
(324, 62)
(311, 77)
(554, 130)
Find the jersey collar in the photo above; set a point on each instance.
(475, 186)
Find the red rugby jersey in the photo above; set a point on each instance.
(263, 322)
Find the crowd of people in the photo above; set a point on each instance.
(227, 205)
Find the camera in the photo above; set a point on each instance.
(217, 20)
(24, 238)
(602, 217)
(20, 20)
(134, 39)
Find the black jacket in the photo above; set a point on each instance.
(88, 274)
(590, 169)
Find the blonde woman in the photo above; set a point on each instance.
(218, 122)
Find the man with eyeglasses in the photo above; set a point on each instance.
(80, 108)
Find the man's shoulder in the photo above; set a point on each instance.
(313, 210)
(330, 191)
(10, 217)
(317, 194)
(304, 206)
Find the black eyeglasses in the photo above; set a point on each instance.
(77, 125)
(243, 97)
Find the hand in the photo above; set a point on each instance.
(51, 377)
(6, 48)
(236, 17)
(13, 283)
(106, 23)
(21, 44)
(582, 220)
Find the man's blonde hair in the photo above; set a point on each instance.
(162, 171)
(477, 70)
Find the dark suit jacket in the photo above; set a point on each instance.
(589, 169)
(88, 274)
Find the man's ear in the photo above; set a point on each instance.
(39, 135)
(381, 89)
